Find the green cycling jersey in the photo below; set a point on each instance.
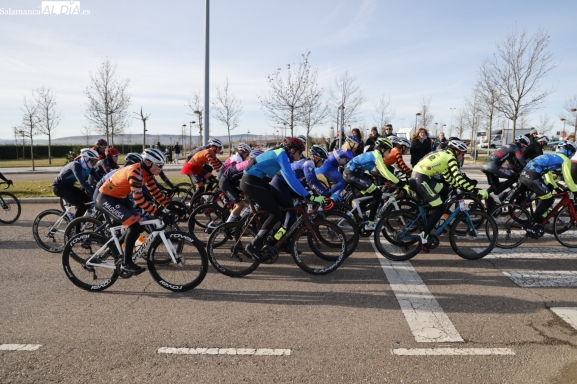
(444, 163)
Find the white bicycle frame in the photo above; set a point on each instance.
(67, 209)
(356, 203)
(121, 228)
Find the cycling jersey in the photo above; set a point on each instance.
(443, 163)
(544, 164)
(105, 165)
(330, 170)
(234, 172)
(195, 164)
(369, 160)
(75, 171)
(396, 157)
(130, 180)
(305, 168)
(510, 153)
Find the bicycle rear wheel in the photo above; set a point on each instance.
(225, 249)
(9, 208)
(83, 224)
(319, 248)
(397, 235)
(190, 267)
(347, 225)
(510, 219)
(565, 228)
(77, 251)
(204, 219)
(48, 230)
(469, 242)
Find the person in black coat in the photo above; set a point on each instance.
(370, 143)
(420, 145)
(361, 147)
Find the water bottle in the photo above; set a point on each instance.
(280, 233)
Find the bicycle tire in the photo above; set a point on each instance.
(9, 211)
(77, 251)
(225, 249)
(204, 219)
(48, 230)
(349, 227)
(181, 195)
(190, 267)
(510, 218)
(324, 249)
(406, 203)
(205, 198)
(87, 224)
(474, 243)
(397, 235)
(565, 231)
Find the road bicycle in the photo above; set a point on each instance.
(9, 206)
(472, 233)
(175, 261)
(317, 247)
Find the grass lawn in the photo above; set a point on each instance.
(56, 162)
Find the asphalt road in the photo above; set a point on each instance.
(350, 326)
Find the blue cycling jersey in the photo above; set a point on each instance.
(545, 163)
(270, 162)
(305, 168)
(330, 170)
(76, 171)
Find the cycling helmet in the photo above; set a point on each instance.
(394, 139)
(88, 154)
(542, 139)
(153, 155)
(353, 141)
(132, 158)
(342, 157)
(522, 139)
(101, 143)
(111, 152)
(383, 143)
(403, 142)
(302, 138)
(293, 142)
(215, 142)
(243, 147)
(255, 152)
(458, 145)
(319, 151)
(567, 148)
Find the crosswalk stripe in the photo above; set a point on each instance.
(452, 351)
(225, 351)
(533, 253)
(19, 347)
(569, 314)
(543, 278)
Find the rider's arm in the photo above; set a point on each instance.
(155, 191)
(401, 163)
(165, 179)
(289, 176)
(2, 177)
(313, 182)
(567, 177)
(383, 168)
(77, 171)
(136, 188)
(454, 177)
(213, 160)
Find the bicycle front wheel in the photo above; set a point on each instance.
(565, 228)
(204, 219)
(83, 224)
(469, 242)
(48, 230)
(319, 248)
(225, 249)
(510, 219)
(9, 208)
(184, 273)
(397, 235)
(349, 227)
(78, 251)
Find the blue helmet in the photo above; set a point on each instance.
(566, 148)
(353, 140)
(255, 152)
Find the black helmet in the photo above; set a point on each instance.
(319, 151)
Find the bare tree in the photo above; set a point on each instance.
(384, 114)
(108, 102)
(472, 111)
(524, 122)
(545, 125)
(85, 132)
(288, 93)
(461, 123)
(516, 70)
(426, 118)
(569, 115)
(144, 119)
(489, 97)
(227, 110)
(350, 93)
(197, 110)
(49, 116)
(30, 123)
(314, 112)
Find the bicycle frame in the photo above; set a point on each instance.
(357, 206)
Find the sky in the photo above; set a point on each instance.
(406, 50)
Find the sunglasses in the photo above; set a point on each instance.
(159, 166)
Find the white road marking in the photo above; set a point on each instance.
(543, 278)
(225, 351)
(19, 347)
(428, 322)
(533, 253)
(451, 351)
(569, 314)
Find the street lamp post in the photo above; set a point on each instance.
(436, 129)
(575, 128)
(444, 125)
(22, 132)
(183, 130)
(190, 132)
(563, 134)
(416, 117)
(199, 113)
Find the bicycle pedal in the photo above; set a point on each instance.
(125, 275)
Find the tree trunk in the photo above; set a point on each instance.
(32, 150)
(49, 149)
(229, 143)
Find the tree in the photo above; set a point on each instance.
(314, 112)
(461, 120)
(545, 125)
(144, 119)
(49, 116)
(195, 106)
(489, 96)
(351, 96)
(227, 110)
(85, 132)
(288, 93)
(570, 116)
(384, 114)
(30, 122)
(108, 102)
(516, 70)
(523, 121)
(426, 118)
(472, 112)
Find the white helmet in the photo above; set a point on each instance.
(542, 139)
(154, 156)
(302, 138)
(215, 142)
(405, 142)
(244, 147)
(88, 154)
(458, 145)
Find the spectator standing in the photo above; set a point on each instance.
(176, 152)
(420, 145)
(532, 135)
(158, 146)
(361, 147)
(335, 142)
(168, 154)
(441, 142)
(372, 139)
(389, 130)
(571, 138)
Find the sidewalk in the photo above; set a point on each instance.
(55, 170)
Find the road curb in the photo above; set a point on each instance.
(39, 200)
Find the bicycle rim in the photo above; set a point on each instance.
(348, 226)
(397, 235)
(565, 228)
(225, 249)
(10, 208)
(48, 230)
(319, 248)
(203, 220)
(510, 219)
(469, 242)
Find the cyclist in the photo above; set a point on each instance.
(445, 163)
(131, 158)
(253, 185)
(401, 147)
(8, 181)
(354, 175)
(229, 183)
(77, 170)
(100, 147)
(494, 170)
(109, 163)
(329, 171)
(113, 200)
(535, 149)
(537, 177)
(198, 168)
(242, 152)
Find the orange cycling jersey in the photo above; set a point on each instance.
(396, 156)
(202, 157)
(130, 179)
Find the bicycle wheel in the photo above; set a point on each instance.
(9, 208)
(180, 194)
(77, 251)
(48, 230)
(204, 219)
(83, 224)
(318, 248)
(205, 198)
(510, 219)
(225, 249)
(406, 203)
(347, 225)
(565, 228)
(189, 269)
(469, 242)
(397, 235)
